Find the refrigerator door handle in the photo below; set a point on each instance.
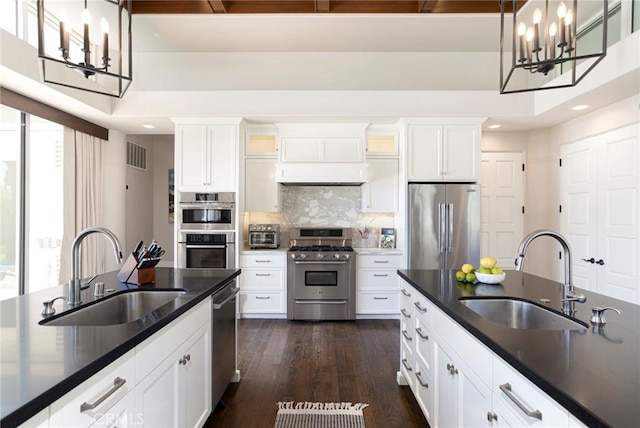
(450, 221)
(442, 221)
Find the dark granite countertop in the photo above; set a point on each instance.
(40, 363)
(594, 373)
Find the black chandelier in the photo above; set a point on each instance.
(547, 44)
(76, 54)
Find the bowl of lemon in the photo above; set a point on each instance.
(489, 272)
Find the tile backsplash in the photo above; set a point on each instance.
(325, 206)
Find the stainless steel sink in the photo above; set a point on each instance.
(118, 309)
(520, 314)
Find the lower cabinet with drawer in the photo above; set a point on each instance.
(164, 381)
(263, 284)
(377, 285)
(458, 381)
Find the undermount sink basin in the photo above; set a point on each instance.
(120, 308)
(520, 314)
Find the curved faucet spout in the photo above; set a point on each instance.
(569, 294)
(74, 282)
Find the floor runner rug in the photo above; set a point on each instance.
(319, 415)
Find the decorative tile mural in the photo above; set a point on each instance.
(326, 206)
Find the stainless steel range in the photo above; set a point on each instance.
(321, 275)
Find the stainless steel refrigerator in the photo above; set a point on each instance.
(444, 225)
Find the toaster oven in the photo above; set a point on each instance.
(264, 235)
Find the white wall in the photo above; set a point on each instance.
(139, 209)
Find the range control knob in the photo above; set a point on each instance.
(321, 256)
(346, 256)
(303, 256)
(337, 256)
(293, 256)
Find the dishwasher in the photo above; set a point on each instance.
(223, 341)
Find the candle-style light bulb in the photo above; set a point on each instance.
(529, 37)
(562, 10)
(105, 42)
(553, 30)
(537, 17)
(522, 30)
(568, 21)
(86, 20)
(86, 17)
(63, 35)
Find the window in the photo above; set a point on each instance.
(31, 166)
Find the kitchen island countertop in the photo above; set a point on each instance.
(594, 373)
(40, 363)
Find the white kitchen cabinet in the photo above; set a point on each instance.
(263, 284)
(83, 405)
(443, 152)
(261, 141)
(382, 141)
(377, 284)
(380, 192)
(206, 157)
(39, 420)
(120, 415)
(262, 193)
(178, 391)
(330, 149)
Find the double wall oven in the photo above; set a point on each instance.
(206, 238)
(321, 275)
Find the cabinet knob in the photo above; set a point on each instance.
(492, 416)
(452, 369)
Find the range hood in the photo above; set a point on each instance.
(338, 173)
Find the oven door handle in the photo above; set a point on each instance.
(320, 263)
(206, 246)
(322, 302)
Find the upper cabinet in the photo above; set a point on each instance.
(206, 156)
(261, 141)
(443, 151)
(322, 143)
(262, 192)
(380, 192)
(382, 141)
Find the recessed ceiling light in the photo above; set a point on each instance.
(496, 126)
(580, 107)
(148, 126)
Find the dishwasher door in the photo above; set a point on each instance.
(223, 356)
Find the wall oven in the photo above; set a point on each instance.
(207, 211)
(207, 250)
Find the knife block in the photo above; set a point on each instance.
(131, 274)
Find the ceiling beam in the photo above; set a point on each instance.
(322, 5)
(426, 6)
(217, 6)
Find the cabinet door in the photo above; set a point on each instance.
(195, 378)
(342, 150)
(424, 152)
(447, 392)
(301, 149)
(222, 157)
(158, 395)
(261, 141)
(380, 193)
(261, 190)
(475, 399)
(461, 153)
(191, 157)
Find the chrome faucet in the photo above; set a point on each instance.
(75, 281)
(569, 293)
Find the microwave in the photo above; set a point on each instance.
(264, 235)
(207, 211)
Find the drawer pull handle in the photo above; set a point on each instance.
(263, 274)
(263, 297)
(405, 292)
(492, 416)
(405, 313)
(117, 384)
(263, 261)
(380, 298)
(506, 388)
(381, 261)
(406, 335)
(421, 334)
(422, 382)
(406, 365)
(380, 274)
(420, 308)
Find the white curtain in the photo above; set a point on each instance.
(83, 202)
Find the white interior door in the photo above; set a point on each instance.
(600, 212)
(502, 194)
(578, 220)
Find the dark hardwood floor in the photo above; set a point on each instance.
(326, 361)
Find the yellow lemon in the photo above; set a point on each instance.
(488, 262)
(467, 268)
